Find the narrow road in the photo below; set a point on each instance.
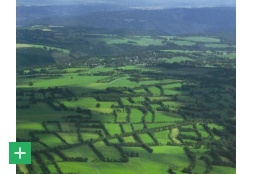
(94, 167)
(89, 162)
(116, 80)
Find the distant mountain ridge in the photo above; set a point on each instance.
(168, 21)
(134, 3)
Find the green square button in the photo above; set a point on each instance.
(20, 152)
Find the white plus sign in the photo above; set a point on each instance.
(19, 153)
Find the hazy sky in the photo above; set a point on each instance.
(135, 3)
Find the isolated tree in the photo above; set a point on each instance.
(30, 83)
(98, 105)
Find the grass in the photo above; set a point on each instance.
(200, 39)
(140, 91)
(138, 126)
(165, 117)
(229, 55)
(23, 168)
(223, 170)
(36, 165)
(213, 125)
(126, 101)
(52, 127)
(103, 117)
(81, 151)
(154, 125)
(19, 45)
(50, 139)
(87, 102)
(155, 106)
(113, 128)
(114, 140)
(30, 126)
(148, 117)
(217, 45)
(108, 151)
(56, 157)
(127, 127)
(188, 127)
(78, 167)
(159, 98)
(200, 166)
(171, 92)
(136, 116)
(101, 69)
(159, 161)
(68, 127)
(23, 128)
(146, 138)
(36, 114)
(121, 116)
(138, 99)
(173, 134)
(193, 134)
(181, 51)
(70, 138)
(172, 86)
(155, 90)
(129, 139)
(90, 103)
(162, 137)
(52, 168)
(176, 59)
(173, 104)
(66, 80)
(135, 40)
(183, 42)
(76, 69)
(88, 136)
(202, 131)
(37, 146)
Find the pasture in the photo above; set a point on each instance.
(20, 45)
(144, 103)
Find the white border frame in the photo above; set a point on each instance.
(8, 83)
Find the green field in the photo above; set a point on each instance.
(20, 45)
(51, 140)
(81, 151)
(176, 59)
(113, 129)
(129, 139)
(135, 40)
(155, 125)
(108, 151)
(183, 42)
(173, 134)
(146, 138)
(89, 136)
(138, 126)
(200, 39)
(217, 45)
(165, 117)
(202, 131)
(162, 137)
(127, 127)
(193, 134)
(128, 103)
(70, 138)
(161, 157)
(136, 116)
(37, 146)
(121, 116)
(155, 91)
